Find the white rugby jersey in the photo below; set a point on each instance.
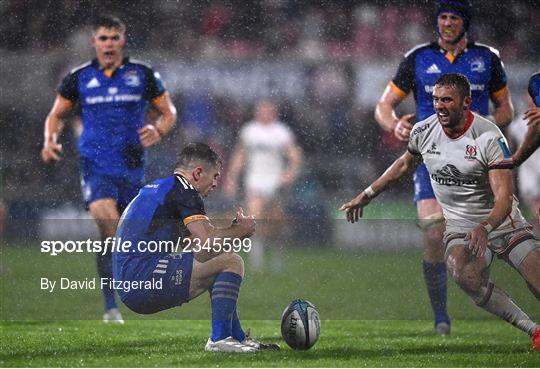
(265, 146)
(458, 169)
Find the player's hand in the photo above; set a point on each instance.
(532, 116)
(354, 209)
(51, 151)
(403, 128)
(478, 240)
(149, 135)
(246, 223)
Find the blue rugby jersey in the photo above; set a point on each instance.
(424, 64)
(160, 212)
(113, 109)
(534, 88)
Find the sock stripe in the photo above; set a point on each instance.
(225, 290)
(226, 284)
(228, 296)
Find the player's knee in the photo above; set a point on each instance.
(233, 263)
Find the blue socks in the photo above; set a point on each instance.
(237, 331)
(104, 268)
(224, 294)
(435, 276)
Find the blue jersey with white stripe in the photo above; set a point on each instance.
(425, 64)
(534, 88)
(160, 212)
(113, 109)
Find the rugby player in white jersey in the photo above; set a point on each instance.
(268, 153)
(470, 169)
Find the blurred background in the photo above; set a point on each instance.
(326, 63)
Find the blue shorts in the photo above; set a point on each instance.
(99, 186)
(422, 184)
(174, 272)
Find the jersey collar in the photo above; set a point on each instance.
(95, 64)
(468, 125)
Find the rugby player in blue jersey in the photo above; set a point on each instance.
(113, 93)
(531, 141)
(199, 258)
(453, 52)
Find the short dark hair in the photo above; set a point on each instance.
(458, 81)
(197, 152)
(463, 8)
(109, 21)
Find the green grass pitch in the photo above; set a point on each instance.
(373, 307)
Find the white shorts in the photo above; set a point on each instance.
(512, 247)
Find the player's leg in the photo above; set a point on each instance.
(101, 194)
(431, 223)
(472, 275)
(522, 251)
(106, 217)
(256, 205)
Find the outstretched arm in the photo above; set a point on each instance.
(53, 128)
(532, 137)
(385, 114)
(405, 164)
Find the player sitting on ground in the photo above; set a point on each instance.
(470, 169)
(172, 208)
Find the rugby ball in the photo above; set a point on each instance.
(300, 325)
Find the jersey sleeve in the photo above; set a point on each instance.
(414, 143)
(154, 85)
(498, 79)
(69, 88)
(404, 80)
(187, 204)
(498, 155)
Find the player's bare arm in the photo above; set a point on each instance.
(405, 164)
(500, 181)
(531, 142)
(203, 230)
(152, 134)
(294, 158)
(504, 110)
(53, 127)
(385, 115)
(235, 167)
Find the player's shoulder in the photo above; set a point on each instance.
(81, 67)
(484, 127)
(535, 77)
(428, 46)
(185, 193)
(136, 62)
(421, 128)
(484, 47)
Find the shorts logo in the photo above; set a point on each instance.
(178, 277)
(470, 152)
(113, 90)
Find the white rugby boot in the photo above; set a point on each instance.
(252, 342)
(113, 316)
(228, 344)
